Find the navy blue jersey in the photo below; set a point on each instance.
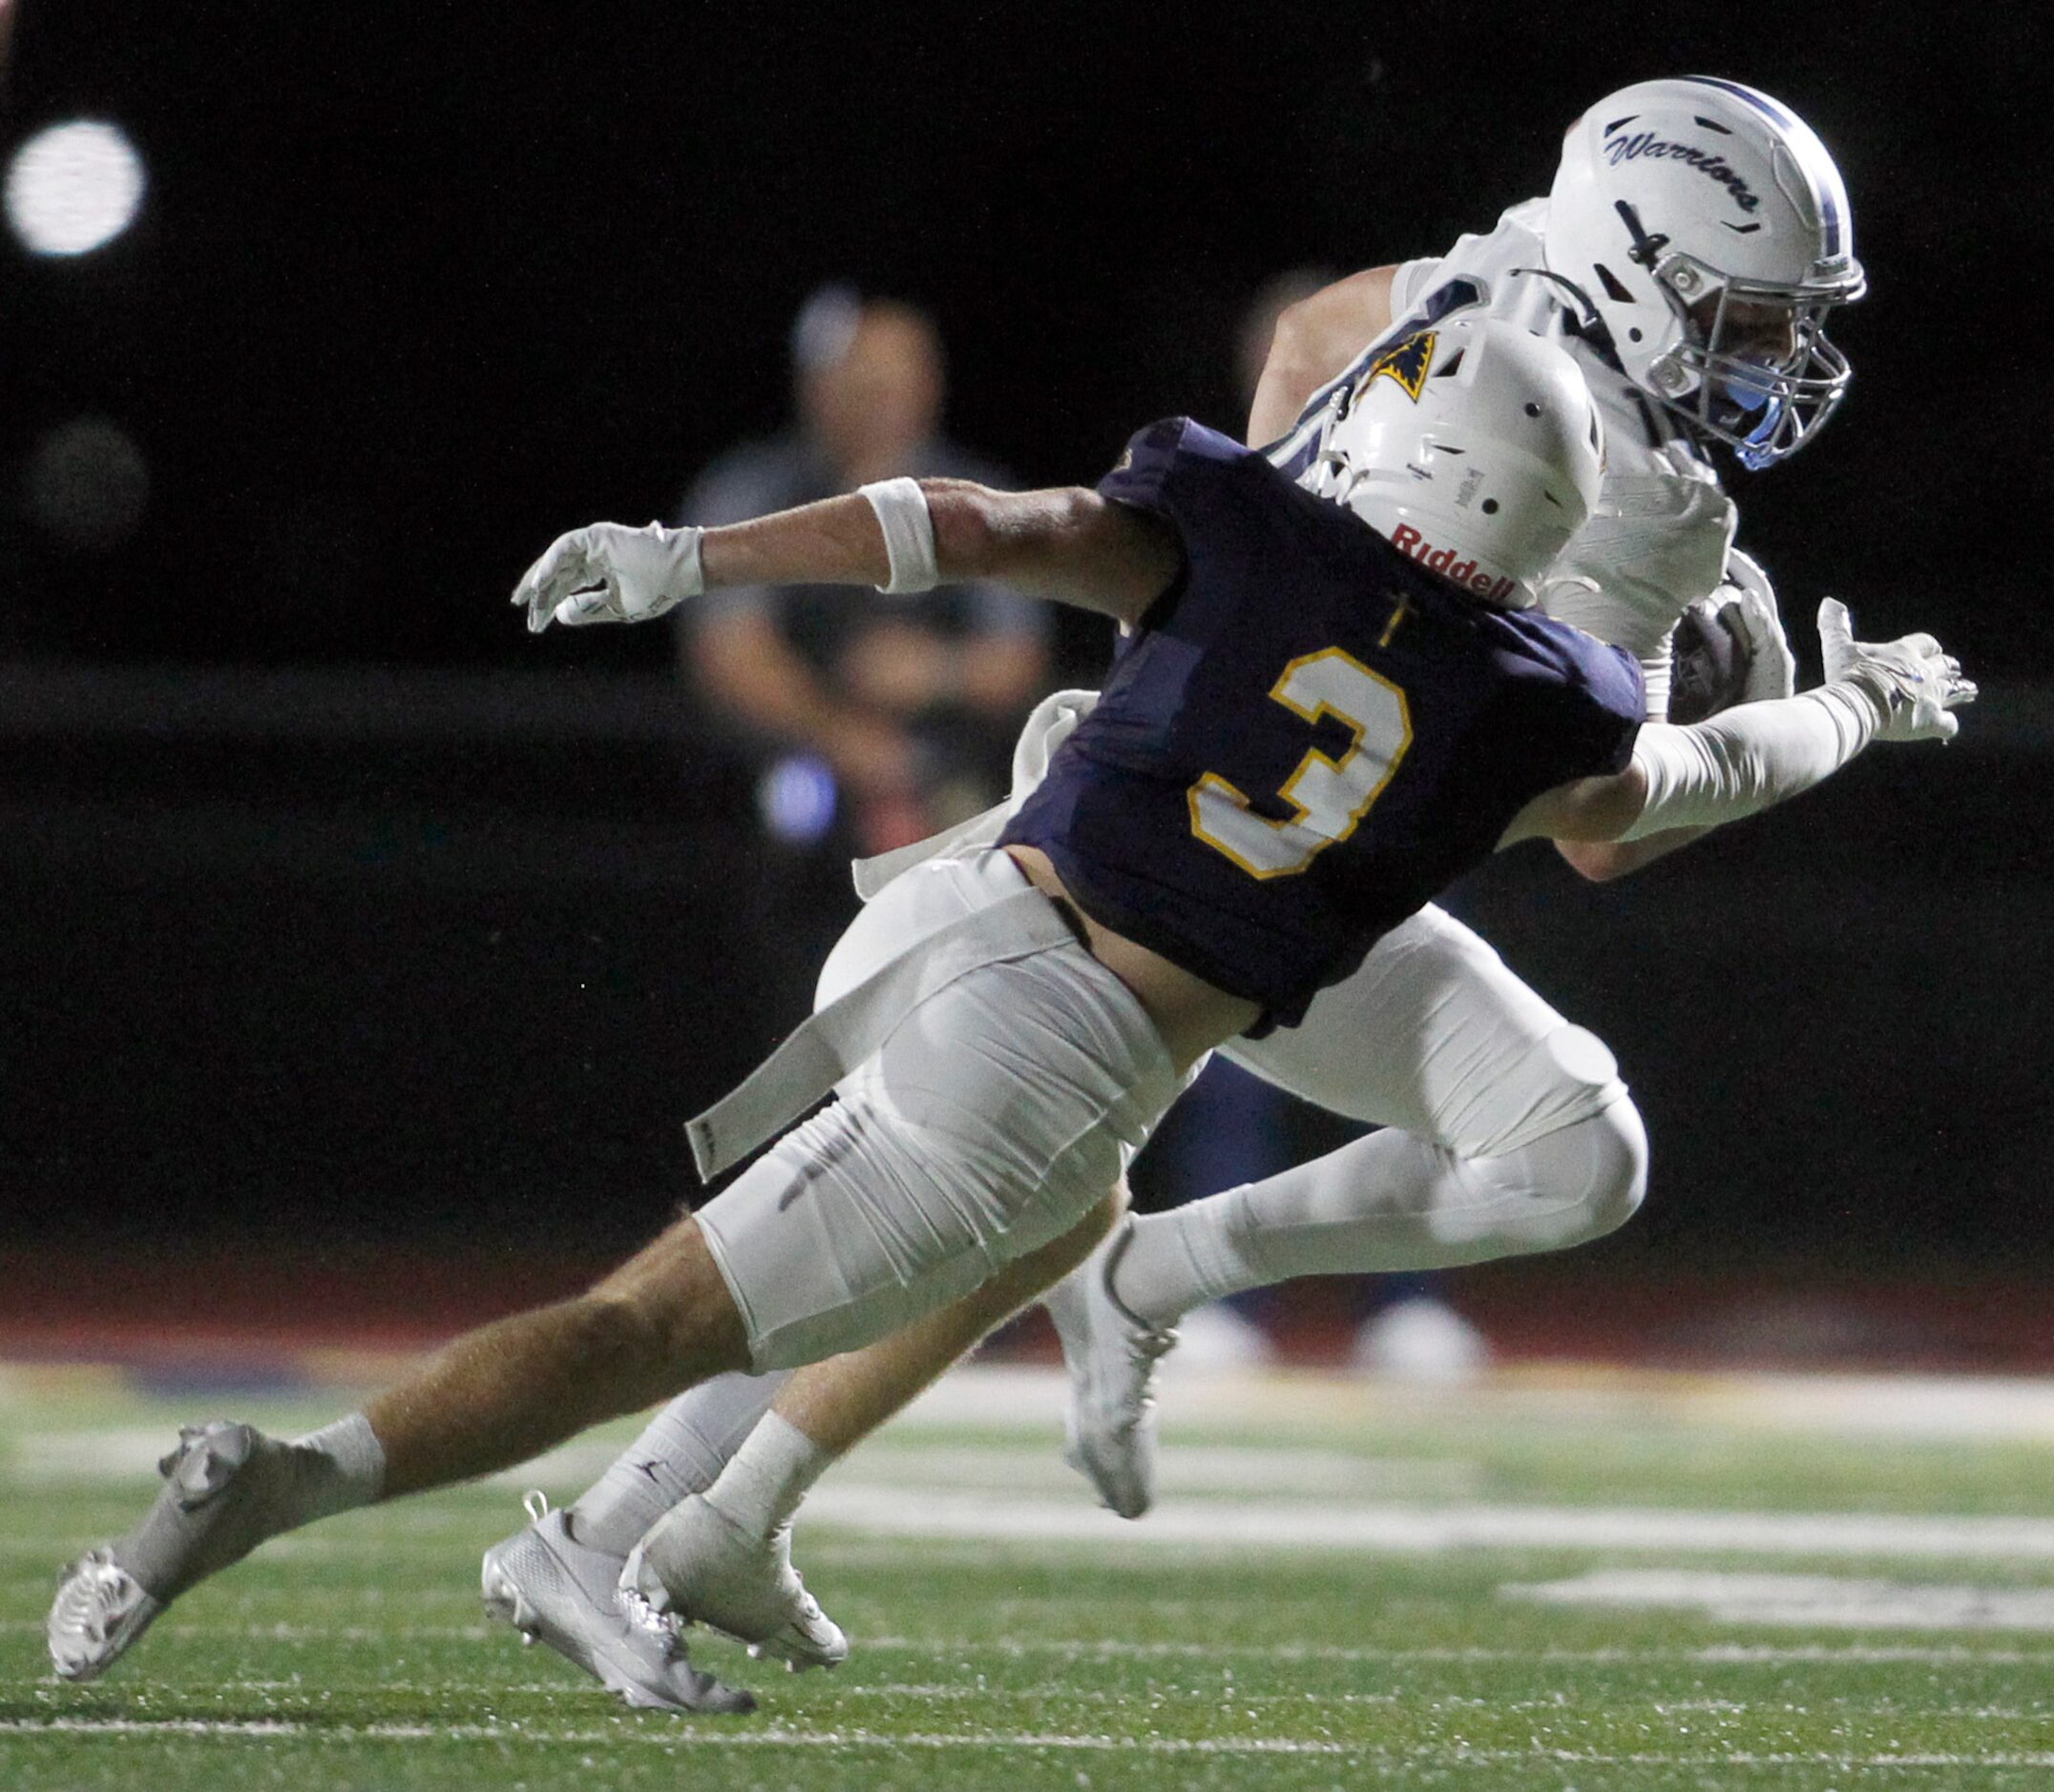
(1309, 735)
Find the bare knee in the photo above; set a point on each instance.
(1090, 1231)
(1055, 1259)
(665, 1317)
(1026, 1277)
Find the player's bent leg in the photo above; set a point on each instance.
(1434, 1038)
(1387, 1203)
(1391, 1202)
(1431, 1037)
(538, 1578)
(724, 1559)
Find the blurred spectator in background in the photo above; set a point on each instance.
(905, 706)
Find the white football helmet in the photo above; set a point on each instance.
(1473, 445)
(1710, 230)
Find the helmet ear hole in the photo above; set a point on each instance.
(1452, 364)
(1614, 287)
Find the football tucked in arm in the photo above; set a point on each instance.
(1710, 659)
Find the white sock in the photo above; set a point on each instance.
(351, 1473)
(1182, 1258)
(765, 1479)
(279, 1486)
(681, 1451)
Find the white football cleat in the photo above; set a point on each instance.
(1109, 1431)
(222, 1497)
(698, 1565)
(556, 1589)
(99, 1610)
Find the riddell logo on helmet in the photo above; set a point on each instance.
(1409, 541)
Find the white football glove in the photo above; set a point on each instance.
(1750, 602)
(609, 573)
(1655, 541)
(1917, 683)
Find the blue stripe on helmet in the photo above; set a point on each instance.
(1829, 204)
(1761, 102)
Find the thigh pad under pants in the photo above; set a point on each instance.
(996, 1113)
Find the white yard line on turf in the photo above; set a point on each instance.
(567, 1686)
(1381, 1528)
(1993, 1408)
(956, 1649)
(1821, 1601)
(869, 1497)
(1409, 1529)
(700, 1738)
(1019, 1397)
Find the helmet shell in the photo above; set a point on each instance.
(1473, 445)
(1681, 210)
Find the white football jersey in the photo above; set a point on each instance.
(1659, 539)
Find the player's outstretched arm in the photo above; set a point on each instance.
(1757, 755)
(1069, 545)
(1314, 340)
(1741, 655)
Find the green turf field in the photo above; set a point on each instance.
(1599, 1585)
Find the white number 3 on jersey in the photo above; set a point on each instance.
(1330, 795)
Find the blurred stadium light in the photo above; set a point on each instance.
(796, 798)
(74, 187)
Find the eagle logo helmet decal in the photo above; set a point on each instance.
(1406, 361)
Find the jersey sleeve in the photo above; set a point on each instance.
(1166, 462)
(1603, 712)
(1410, 281)
(1176, 468)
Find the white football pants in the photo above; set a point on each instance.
(1506, 1131)
(1434, 1035)
(996, 1113)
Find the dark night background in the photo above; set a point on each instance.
(338, 908)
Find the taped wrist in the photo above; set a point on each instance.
(902, 513)
(1748, 758)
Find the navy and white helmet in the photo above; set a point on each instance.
(1710, 230)
(1473, 447)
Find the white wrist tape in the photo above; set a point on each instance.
(902, 513)
(1748, 758)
